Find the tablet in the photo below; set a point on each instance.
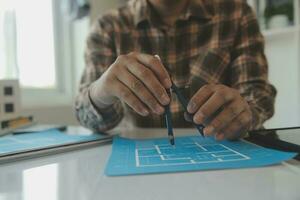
(284, 139)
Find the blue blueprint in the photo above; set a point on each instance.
(32, 141)
(189, 154)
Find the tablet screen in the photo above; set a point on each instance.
(289, 135)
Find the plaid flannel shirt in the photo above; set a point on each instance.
(213, 41)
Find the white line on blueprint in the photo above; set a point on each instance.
(190, 163)
(157, 148)
(235, 151)
(187, 160)
(201, 147)
(200, 153)
(137, 160)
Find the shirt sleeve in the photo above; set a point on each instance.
(250, 69)
(99, 55)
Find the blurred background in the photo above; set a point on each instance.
(42, 44)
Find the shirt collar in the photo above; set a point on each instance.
(200, 9)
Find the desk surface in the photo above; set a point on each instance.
(78, 175)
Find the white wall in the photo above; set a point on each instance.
(282, 52)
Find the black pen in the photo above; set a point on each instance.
(168, 118)
(184, 104)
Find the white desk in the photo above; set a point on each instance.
(78, 175)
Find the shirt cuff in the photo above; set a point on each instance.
(99, 120)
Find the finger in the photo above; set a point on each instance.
(199, 98)
(156, 66)
(229, 113)
(238, 127)
(150, 81)
(139, 89)
(220, 136)
(124, 93)
(214, 103)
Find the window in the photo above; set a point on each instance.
(9, 107)
(8, 91)
(35, 57)
(35, 47)
(28, 42)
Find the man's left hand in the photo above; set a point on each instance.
(224, 112)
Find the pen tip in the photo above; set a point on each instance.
(171, 140)
(200, 129)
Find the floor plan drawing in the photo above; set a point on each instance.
(190, 153)
(186, 154)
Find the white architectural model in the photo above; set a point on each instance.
(9, 99)
(10, 108)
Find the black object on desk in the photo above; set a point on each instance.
(283, 139)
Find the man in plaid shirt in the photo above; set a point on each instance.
(212, 49)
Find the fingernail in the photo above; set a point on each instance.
(165, 99)
(167, 83)
(209, 130)
(159, 110)
(199, 118)
(157, 56)
(145, 112)
(191, 107)
(188, 117)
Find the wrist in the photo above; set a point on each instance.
(96, 95)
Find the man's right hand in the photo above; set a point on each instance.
(140, 80)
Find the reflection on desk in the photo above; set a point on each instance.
(78, 175)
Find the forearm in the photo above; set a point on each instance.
(99, 55)
(97, 119)
(261, 99)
